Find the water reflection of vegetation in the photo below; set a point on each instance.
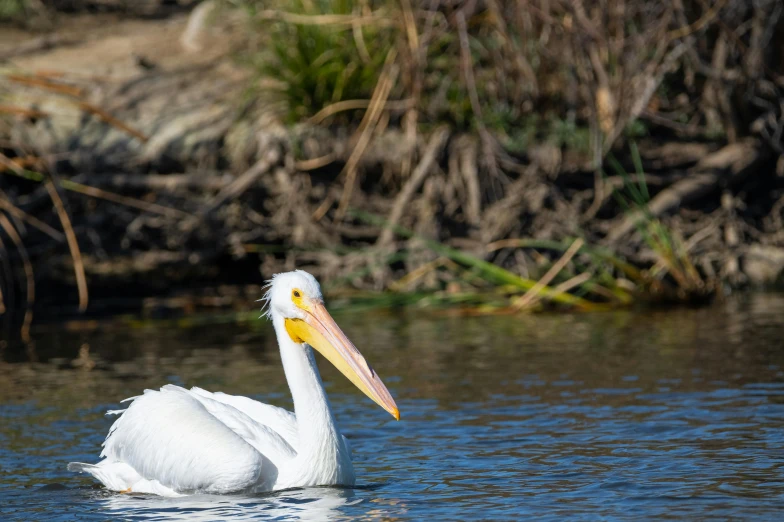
(243, 358)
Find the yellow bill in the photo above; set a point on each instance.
(320, 331)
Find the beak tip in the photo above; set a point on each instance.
(396, 414)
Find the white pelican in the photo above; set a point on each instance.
(175, 441)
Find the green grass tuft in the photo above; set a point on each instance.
(11, 10)
(317, 63)
(670, 250)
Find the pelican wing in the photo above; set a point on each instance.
(177, 440)
(282, 421)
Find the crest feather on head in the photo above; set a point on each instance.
(299, 278)
(266, 309)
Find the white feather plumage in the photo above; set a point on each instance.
(175, 441)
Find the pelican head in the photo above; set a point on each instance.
(296, 297)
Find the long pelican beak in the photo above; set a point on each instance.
(320, 331)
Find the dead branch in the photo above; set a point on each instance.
(434, 147)
(236, 188)
(10, 230)
(163, 182)
(467, 66)
(31, 220)
(533, 294)
(726, 165)
(366, 127)
(73, 244)
(35, 45)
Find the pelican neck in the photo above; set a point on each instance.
(315, 422)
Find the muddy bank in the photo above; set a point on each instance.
(137, 162)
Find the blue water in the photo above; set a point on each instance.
(614, 416)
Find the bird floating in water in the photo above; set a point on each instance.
(175, 441)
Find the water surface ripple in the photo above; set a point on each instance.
(599, 416)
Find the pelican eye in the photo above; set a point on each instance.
(296, 293)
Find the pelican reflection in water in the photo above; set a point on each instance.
(296, 504)
(175, 441)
